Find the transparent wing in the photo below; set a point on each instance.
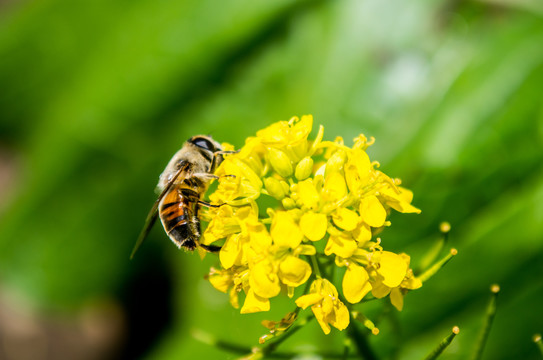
(153, 214)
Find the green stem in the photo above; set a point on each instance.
(347, 348)
(296, 355)
(288, 333)
(490, 313)
(315, 266)
(437, 266)
(537, 340)
(361, 342)
(209, 339)
(443, 344)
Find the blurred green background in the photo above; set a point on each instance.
(96, 96)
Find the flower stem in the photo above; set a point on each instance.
(288, 333)
(435, 268)
(361, 342)
(443, 344)
(315, 266)
(490, 313)
(209, 339)
(346, 348)
(537, 340)
(435, 249)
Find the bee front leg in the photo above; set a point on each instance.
(217, 155)
(209, 176)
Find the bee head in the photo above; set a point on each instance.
(205, 142)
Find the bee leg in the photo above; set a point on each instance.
(217, 154)
(211, 176)
(211, 248)
(206, 204)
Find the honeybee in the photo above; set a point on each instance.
(182, 185)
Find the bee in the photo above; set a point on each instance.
(181, 186)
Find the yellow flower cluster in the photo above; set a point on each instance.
(330, 201)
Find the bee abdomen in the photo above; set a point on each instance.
(185, 235)
(176, 221)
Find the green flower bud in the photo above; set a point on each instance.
(280, 162)
(288, 203)
(304, 168)
(274, 188)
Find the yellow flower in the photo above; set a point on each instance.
(393, 276)
(285, 133)
(222, 225)
(241, 182)
(234, 279)
(326, 306)
(399, 199)
(315, 191)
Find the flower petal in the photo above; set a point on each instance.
(263, 280)
(341, 316)
(346, 219)
(334, 187)
(221, 280)
(357, 169)
(313, 225)
(305, 301)
(320, 316)
(396, 298)
(341, 245)
(294, 271)
(393, 268)
(254, 303)
(372, 211)
(378, 289)
(362, 233)
(308, 194)
(355, 283)
(399, 199)
(284, 231)
(230, 253)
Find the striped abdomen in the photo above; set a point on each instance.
(178, 216)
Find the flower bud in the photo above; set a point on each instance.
(288, 203)
(274, 188)
(335, 163)
(280, 162)
(304, 168)
(286, 187)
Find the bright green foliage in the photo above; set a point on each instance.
(96, 96)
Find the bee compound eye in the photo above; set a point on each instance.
(203, 143)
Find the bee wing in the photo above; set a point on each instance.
(153, 214)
